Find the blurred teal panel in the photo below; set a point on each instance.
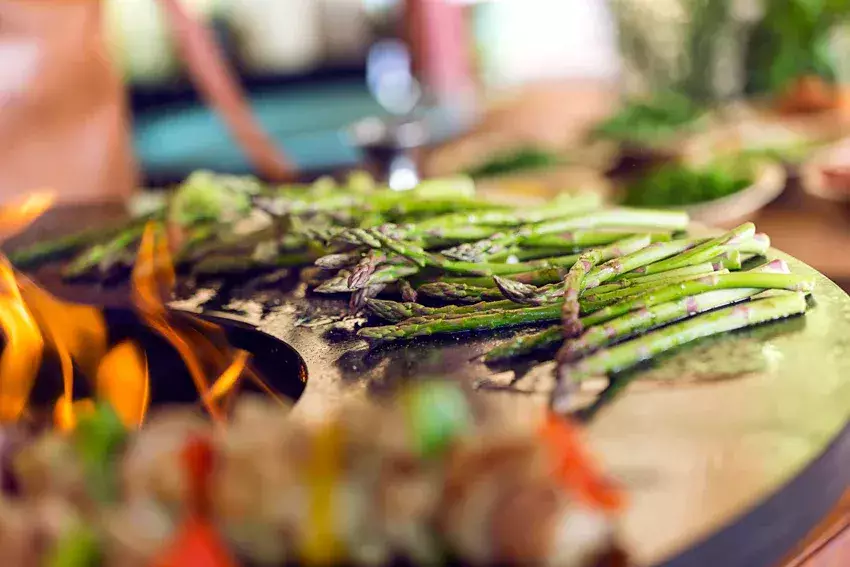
(306, 121)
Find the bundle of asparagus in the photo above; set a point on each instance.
(611, 282)
(629, 275)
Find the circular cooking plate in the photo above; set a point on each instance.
(733, 468)
(731, 472)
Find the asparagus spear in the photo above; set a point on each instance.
(441, 324)
(697, 269)
(500, 318)
(338, 260)
(521, 252)
(579, 239)
(539, 277)
(712, 248)
(406, 290)
(572, 288)
(562, 206)
(46, 251)
(595, 301)
(338, 283)
(549, 275)
(230, 265)
(554, 335)
(360, 296)
(364, 269)
(387, 273)
(651, 254)
(395, 311)
(527, 344)
(480, 251)
(459, 292)
(94, 256)
(661, 314)
(626, 355)
(520, 293)
(525, 294)
(711, 282)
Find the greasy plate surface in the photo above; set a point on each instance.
(744, 415)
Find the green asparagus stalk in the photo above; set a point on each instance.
(386, 273)
(696, 270)
(711, 282)
(592, 299)
(522, 253)
(94, 256)
(630, 353)
(638, 218)
(459, 292)
(564, 206)
(572, 289)
(580, 239)
(539, 277)
(395, 311)
(526, 344)
(595, 301)
(338, 283)
(731, 260)
(649, 255)
(230, 265)
(553, 336)
(710, 249)
(661, 314)
(338, 260)
(435, 325)
(525, 294)
(50, 250)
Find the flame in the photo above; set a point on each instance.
(18, 215)
(226, 382)
(66, 412)
(123, 380)
(33, 321)
(22, 354)
(195, 340)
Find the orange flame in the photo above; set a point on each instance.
(123, 380)
(18, 215)
(22, 354)
(196, 341)
(66, 412)
(229, 377)
(32, 321)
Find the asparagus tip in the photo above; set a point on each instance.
(516, 291)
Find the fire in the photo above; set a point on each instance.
(34, 324)
(22, 354)
(67, 412)
(122, 378)
(153, 280)
(228, 378)
(17, 216)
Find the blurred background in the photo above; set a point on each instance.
(731, 109)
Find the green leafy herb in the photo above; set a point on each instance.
(652, 121)
(525, 159)
(677, 185)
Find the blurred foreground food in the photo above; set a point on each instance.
(417, 479)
